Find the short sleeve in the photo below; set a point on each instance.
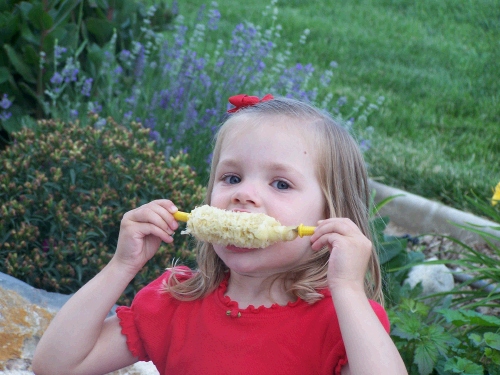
(134, 343)
(139, 322)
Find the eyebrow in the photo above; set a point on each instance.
(274, 166)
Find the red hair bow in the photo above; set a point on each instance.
(243, 100)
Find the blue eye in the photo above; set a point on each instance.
(281, 185)
(232, 179)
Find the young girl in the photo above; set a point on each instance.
(307, 306)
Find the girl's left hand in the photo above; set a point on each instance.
(350, 251)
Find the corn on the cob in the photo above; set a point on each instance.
(241, 229)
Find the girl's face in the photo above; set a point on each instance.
(268, 168)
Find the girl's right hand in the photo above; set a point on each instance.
(141, 233)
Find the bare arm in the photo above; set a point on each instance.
(369, 347)
(80, 340)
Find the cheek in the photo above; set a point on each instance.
(216, 198)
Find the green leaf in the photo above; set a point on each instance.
(39, 18)
(379, 223)
(19, 65)
(9, 26)
(463, 366)
(102, 30)
(33, 94)
(492, 340)
(4, 74)
(64, 10)
(408, 327)
(469, 317)
(25, 8)
(28, 35)
(390, 248)
(425, 357)
(493, 355)
(383, 202)
(11, 125)
(476, 339)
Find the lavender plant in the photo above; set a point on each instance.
(177, 84)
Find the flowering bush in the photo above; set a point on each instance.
(177, 84)
(63, 191)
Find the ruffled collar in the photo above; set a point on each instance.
(233, 308)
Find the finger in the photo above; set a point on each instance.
(167, 204)
(343, 226)
(148, 229)
(330, 240)
(171, 208)
(154, 214)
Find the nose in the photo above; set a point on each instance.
(246, 194)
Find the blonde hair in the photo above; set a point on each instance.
(342, 174)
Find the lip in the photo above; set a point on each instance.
(240, 250)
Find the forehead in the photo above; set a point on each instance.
(267, 141)
(241, 126)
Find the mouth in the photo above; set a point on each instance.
(235, 249)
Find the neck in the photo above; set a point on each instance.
(257, 291)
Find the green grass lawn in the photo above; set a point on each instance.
(437, 63)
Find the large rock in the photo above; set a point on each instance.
(25, 313)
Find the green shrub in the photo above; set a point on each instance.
(441, 340)
(63, 191)
(395, 260)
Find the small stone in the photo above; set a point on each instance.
(435, 278)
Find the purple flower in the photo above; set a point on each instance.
(57, 79)
(127, 116)
(175, 8)
(5, 103)
(213, 21)
(150, 123)
(58, 52)
(154, 135)
(87, 86)
(342, 101)
(130, 100)
(70, 73)
(45, 246)
(94, 107)
(99, 124)
(4, 115)
(118, 70)
(365, 145)
(208, 159)
(73, 113)
(125, 55)
(140, 62)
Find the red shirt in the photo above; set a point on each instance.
(208, 336)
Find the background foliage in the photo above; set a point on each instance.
(134, 94)
(34, 33)
(63, 191)
(436, 63)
